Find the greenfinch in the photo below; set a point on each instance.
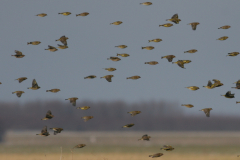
(145, 138)
(121, 46)
(108, 77)
(34, 43)
(53, 90)
(73, 100)
(134, 77)
(225, 27)
(166, 25)
(56, 130)
(191, 51)
(63, 39)
(34, 85)
(167, 148)
(134, 113)
(41, 15)
(82, 14)
(155, 40)
(65, 13)
(168, 57)
(193, 88)
(152, 62)
(156, 155)
(194, 25)
(146, 3)
(18, 54)
(90, 77)
(188, 105)
(229, 95)
(86, 118)
(206, 111)
(21, 79)
(44, 132)
(148, 47)
(51, 48)
(128, 125)
(110, 69)
(123, 54)
(115, 59)
(48, 115)
(223, 38)
(18, 93)
(117, 23)
(174, 19)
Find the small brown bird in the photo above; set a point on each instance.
(155, 40)
(156, 155)
(166, 25)
(34, 85)
(79, 146)
(63, 39)
(123, 54)
(188, 105)
(206, 111)
(90, 77)
(229, 95)
(174, 19)
(209, 85)
(53, 90)
(225, 27)
(73, 100)
(51, 48)
(121, 46)
(48, 115)
(115, 59)
(21, 79)
(191, 51)
(41, 15)
(128, 125)
(145, 138)
(82, 14)
(65, 13)
(152, 62)
(193, 88)
(179, 63)
(134, 77)
(108, 77)
(34, 43)
(117, 23)
(134, 113)
(194, 25)
(86, 118)
(167, 148)
(18, 93)
(223, 38)
(44, 132)
(83, 108)
(18, 54)
(146, 3)
(168, 57)
(110, 69)
(148, 47)
(232, 54)
(62, 46)
(57, 130)
(217, 83)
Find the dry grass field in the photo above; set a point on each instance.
(121, 146)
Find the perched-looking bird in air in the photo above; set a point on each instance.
(62, 46)
(57, 130)
(225, 27)
(232, 54)
(48, 115)
(73, 100)
(90, 77)
(128, 125)
(44, 132)
(174, 19)
(51, 48)
(229, 95)
(79, 146)
(65, 13)
(83, 108)
(18, 54)
(82, 14)
(134, 113)
(123, 54)
(193, 88)
(188, 105)
(148, 47)
(145, 138)
(18, 93)
(108, 77)
(151, 63)
(55, 90)
(167, 148)
(146, 3)
(179, 63)
(156, 155)
(121, 46)
(194, 25)
(21, 79)
(115, 59)
(166, 25)
(155, 40)
(63, 39)
(217, 83)
(206, 111)
(34, 43)
(86, 118)
(168, 57)
(134, 77)
(41, 15)
(117, 23)
(110, 69)
(191, 51)
(34, 85)
(209, 85)
(223, 38)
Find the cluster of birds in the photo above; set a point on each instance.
(63, 39)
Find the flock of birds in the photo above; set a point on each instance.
(63, 39)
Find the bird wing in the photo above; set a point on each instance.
(34, 83)
(44, 130)
(109, 79)
(64, 41)
(73, 101)
(209, 83)
(49, 114)
(180, 64)
(194, 26)
(21, 79)
(175, 16)
(169, 58)
(18, 52)
(228, 93)
(19, 94)
(207, 112)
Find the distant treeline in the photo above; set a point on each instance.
(109, 116)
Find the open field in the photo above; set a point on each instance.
(121, 146)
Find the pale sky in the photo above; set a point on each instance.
(92, 40)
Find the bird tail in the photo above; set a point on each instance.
(150, 155)
(29, 43)
(118, 54)
(160, 25)
(185, 51)
(142, 47)
(66, 99)
(76, 15)
(146, 63)
(46, 49)
(47, 90)
(149, 41)
(59, 13)
(28, 88)
(37, 134)
(85, 77)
